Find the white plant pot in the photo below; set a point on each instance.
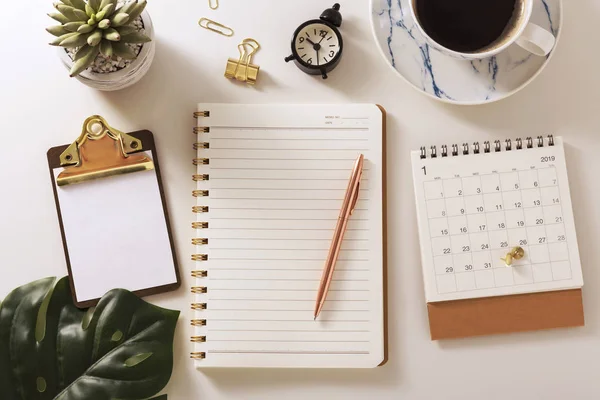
(125, 77)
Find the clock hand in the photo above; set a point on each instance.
(310, 41)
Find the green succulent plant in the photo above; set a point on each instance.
(96, 26)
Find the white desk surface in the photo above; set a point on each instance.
(42, 107)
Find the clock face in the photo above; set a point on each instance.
(317, 44)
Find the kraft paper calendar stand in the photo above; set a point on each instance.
(505, 314)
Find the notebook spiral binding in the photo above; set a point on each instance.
(199, 114)
(200, 241)
(488, 147)
(200, 177)
(201, 145)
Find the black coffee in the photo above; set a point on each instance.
(465, 25)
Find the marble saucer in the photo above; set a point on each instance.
(452, 80)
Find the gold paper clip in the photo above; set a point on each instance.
(515, 254)
(242, 69)
(101, 151)
(215, 27)
(213, 4)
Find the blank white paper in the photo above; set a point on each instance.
(116, 234)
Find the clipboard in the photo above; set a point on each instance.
(112, 213)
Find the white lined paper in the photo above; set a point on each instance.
(278, 175)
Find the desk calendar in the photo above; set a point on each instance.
(477, 202)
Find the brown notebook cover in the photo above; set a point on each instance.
(505, 314)
(385, 264)
(149, 146)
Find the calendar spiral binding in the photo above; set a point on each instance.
(199, 225)
(488, 147)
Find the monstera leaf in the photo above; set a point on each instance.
(49, 349)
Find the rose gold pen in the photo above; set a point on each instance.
(338, 235)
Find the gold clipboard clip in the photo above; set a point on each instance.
(101, 151)
(242, 69)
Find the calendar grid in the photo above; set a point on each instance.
(506, 191)
(560, 201)
(506, 220)
(445, 217)
(515, 284)
(447, 223)
(525, 227)
(546, 230)
(450, 234)
(467, 226)
(474, 210)
(471, 272)
(461, 232)
(488, 236)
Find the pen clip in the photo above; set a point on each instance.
(355, 199)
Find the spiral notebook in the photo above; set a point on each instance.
(270, 183)
(475, 203)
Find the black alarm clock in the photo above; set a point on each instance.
(317, 44)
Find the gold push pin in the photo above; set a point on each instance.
(515, 254)
(242, 69)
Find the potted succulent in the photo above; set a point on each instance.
(106, 44)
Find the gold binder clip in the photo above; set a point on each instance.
(515, 254)
(101, 151)
(242, 69)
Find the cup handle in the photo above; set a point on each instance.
(536, 40)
